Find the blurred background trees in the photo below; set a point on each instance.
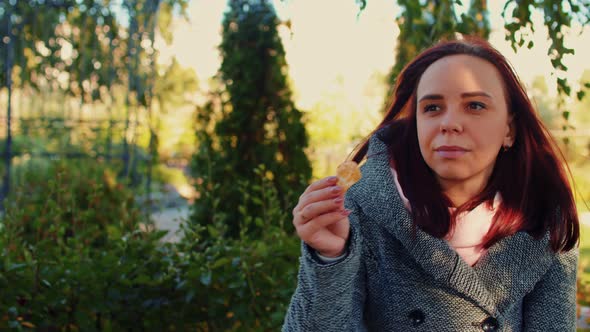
(84, 76)
(424, 22)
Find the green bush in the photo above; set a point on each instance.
(73, 258)
(247, 281)
(80, 199)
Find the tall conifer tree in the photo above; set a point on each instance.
(250, 121)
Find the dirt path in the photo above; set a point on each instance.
(170, 219)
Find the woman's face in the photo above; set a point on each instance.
(462, 120)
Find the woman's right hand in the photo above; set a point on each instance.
(320, 218)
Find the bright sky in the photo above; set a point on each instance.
(330, 43)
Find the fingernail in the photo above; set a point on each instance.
(339, 200)
(332, 179)
(346, 212)
(336, 190)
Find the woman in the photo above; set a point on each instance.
(463, 220)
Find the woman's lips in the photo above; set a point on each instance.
(450, 152)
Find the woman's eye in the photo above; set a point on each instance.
(431, 108)
(476, 106)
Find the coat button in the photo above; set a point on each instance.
(416, 317)
(490, 324)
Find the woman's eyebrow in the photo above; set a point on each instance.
(463, 95)
(475, 94)
(431, 97)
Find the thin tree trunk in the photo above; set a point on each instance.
(8, 149)
(130, 77)
(151, 81)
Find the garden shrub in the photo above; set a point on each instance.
(74, 258)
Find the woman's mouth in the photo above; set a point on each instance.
(450, 152)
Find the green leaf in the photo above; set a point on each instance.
(235, 261)
(565, 115)
(220, 262)
(563, 86)
(18, 266)
(581, 94)
(530, 45)
(242, 210)
(180, 285)
(362, 4)
(575, 8)
(206, 278)
(262, 249)
(14, 324)
(13, 311)
(213, 231)
(259, 222)
(189, 296)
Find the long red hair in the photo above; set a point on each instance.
(530, 176)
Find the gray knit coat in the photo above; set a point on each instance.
(392, 281)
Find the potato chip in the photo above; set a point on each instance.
(348, 173)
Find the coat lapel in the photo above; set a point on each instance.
(513, 266)
(509, 269)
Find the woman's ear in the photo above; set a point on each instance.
(510, 132)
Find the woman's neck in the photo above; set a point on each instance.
(460, 192)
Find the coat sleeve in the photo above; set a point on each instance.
(551, 305)
(330, 296)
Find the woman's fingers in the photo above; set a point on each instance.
(326, 193)
(341, 228)
(309, 231)
(325, 189)
(320, 184)
(327, 244)
(320, 219)
(317, 208)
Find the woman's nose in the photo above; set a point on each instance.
(451, 122)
